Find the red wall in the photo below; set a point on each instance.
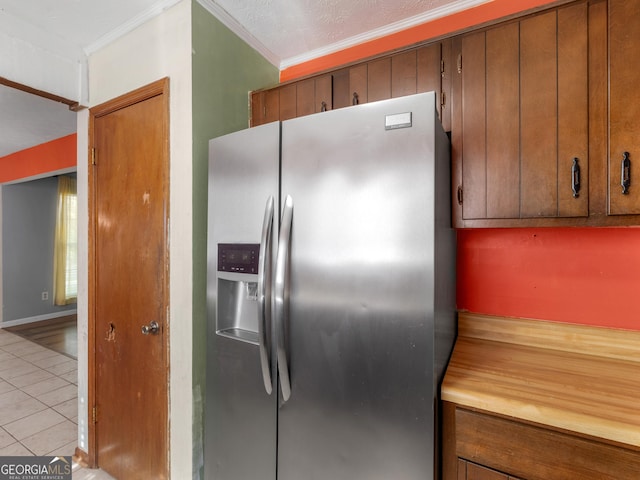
(48, 157)
(579, 275)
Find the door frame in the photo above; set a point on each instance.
(158, 88)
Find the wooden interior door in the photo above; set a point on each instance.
(129, 280)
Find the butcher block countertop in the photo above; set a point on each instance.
(577, 378)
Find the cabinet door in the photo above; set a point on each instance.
(358, 84)
(305, 97)
(379, 79)
(265, 106)
(554, 113)
(403, 74)
(477, 472)
(573, 110)
(624, 105)
(323, 93)
(313, 95)
(473, 127)
(430, 76)
(350, 86)
(288, 101)
(524, 118)
(502, 123)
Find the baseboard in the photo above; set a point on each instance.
(38, 318)
(81, 457)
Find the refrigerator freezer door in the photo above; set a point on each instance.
(240, 418)
(361, 302)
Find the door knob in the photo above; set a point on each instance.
(151, 328)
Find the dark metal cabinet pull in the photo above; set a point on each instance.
(323, 107)
(355, 100)
(625, 173)
(575, 178)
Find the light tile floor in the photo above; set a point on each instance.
(39, 402)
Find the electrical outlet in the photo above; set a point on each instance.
(45, 296)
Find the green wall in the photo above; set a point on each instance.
(225, 69)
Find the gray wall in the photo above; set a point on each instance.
(28, 227)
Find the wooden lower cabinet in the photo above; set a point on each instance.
(472, 471)
(478, 445)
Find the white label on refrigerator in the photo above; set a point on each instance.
(398, 120)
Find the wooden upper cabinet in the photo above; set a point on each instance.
(305, 97)
(379, 79)
(323, 93)
(624, 106)
(288, 101)
(404, 74)
(265, 107)
(350, 86)
(413, 71)
(524, 118)
(433, 74)
(297, 99)
(314, 95)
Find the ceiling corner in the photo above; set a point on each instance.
(232, 24)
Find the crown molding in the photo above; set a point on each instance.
(156, 9)
(232, 24)
(392, 28)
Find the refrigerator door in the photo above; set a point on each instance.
(359, 296)
(240, 413)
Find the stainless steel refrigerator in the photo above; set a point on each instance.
(331, 295)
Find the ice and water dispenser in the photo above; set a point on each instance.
(237, 276)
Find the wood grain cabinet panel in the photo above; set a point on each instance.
(401, 74)
(350, 86)
(404, 74)
(478, 472)
(358, 76)
(323, 94)
(473, 126)
(379, 79)
(538, 116)
(314, 95)
(305, 97)
(502, 122)
(573, 109)
(288, 101)
(430, 76)
(487, 445)
(265, 106)
(624, 105)
(524, 119)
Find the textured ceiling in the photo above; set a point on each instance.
(27, 120)
(290, 28)
(284, 30)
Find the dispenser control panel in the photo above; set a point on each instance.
(238, 257)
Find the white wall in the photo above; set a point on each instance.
(159, 48)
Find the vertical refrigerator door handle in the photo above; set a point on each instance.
(281, 296)
(264, 294)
